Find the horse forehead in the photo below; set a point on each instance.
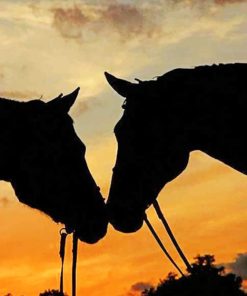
(38, 111)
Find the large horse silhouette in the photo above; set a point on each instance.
(43, 159)
(163, 121)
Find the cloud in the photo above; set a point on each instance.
(205, 7)
(70, 21)
(84, 104)
(139, 287)
(80, 108)
(218, 2)
(224, 2)
(127, 20)
(27, 95)
(239, 266)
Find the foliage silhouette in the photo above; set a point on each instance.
(206, 279)
(52, 293)
(44, 160)
(165, 119)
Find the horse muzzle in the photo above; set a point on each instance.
(125, 220)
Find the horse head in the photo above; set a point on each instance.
(49, 170)
(152, 150)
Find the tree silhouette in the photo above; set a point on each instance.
(205, 279)
(52, 293)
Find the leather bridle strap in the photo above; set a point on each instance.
(172, 237)
(74, 262)
(155, 235)
(63, 235)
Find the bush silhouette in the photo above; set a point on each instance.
(205, 279)
(52, 293)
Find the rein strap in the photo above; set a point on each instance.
(155, 235)
(74, 262)
(172, 237)
(63, 235)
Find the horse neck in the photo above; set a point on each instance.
(7, 135)
(217, 126)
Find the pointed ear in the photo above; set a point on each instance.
(122, 87)
(64, 103)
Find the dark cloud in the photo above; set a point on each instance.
(218, 2)
(224, 2)
(127, 20)
(140, 286)
(239, 266)
(203, 5)
(69, 22)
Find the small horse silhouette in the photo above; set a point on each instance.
(164, 120)
(43, 159)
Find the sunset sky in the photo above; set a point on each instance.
(49, 47)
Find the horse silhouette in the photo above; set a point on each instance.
(163, 121)
(43, 159)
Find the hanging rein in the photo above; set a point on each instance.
(172, 237)
(161, 216)
(63, 236)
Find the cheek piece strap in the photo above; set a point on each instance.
(63, 236)
(172, 237)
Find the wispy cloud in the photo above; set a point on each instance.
(69, 22)
(206, 2)
(84, 105)
(126, 20)
(224, 2)
(15, 94)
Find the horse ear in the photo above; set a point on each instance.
(122, 87)
(64, 103)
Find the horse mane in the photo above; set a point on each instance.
(214, 69)
(10, 105)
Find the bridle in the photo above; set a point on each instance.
(63, 236)
(172, 237)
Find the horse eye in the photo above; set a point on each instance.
(124, 104)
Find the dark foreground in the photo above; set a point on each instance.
(206, 279)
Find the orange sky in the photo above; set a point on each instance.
(48, 47)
